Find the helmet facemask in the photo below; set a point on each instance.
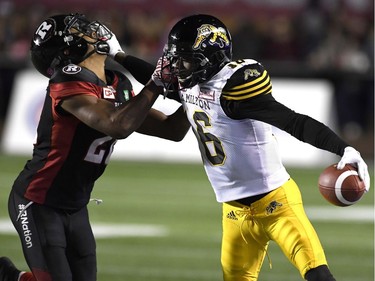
(192, 68)
(80, 31)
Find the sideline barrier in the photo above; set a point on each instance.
(313, 97)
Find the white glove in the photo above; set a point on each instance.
(352, 156)
(156, 76)
(114, 46)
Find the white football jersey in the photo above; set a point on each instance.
(240, 157)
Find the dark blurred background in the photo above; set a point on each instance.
(331, 40)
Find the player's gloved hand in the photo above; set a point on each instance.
(353, 157)
(157, 75)
(114, 46)
(163, 77)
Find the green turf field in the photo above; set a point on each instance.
(160, 222)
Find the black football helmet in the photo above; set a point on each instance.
(201, 41)
(59, 41)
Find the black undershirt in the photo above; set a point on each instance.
(266, 109)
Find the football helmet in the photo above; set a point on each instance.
(64, 39)
(198, 47)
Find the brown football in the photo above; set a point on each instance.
(341, 187)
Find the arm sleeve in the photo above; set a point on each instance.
(140, 69)
(266, 109)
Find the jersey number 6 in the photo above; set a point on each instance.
(212, 145)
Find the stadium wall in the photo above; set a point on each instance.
(313, 97)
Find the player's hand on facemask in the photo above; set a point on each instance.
(157, 75)
(353, 157)
(114, 46)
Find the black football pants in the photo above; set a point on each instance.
(58, 246)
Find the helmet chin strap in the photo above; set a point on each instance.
(100, 47)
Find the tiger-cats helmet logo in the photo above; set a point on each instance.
(212, 35)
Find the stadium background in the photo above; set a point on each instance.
(170, 207)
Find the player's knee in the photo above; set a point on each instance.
(320, 273)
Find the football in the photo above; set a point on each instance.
(341, 187)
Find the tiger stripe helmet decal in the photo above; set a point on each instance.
(214, 35)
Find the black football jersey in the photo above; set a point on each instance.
(68, 155)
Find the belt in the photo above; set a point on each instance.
(251, 199)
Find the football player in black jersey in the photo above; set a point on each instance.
(87, 108)
(231, 109)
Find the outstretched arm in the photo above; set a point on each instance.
(172, 127)
(140, 69)
(266, 109)
(249, 96)
(117, 122)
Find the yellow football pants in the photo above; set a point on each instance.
(280, 217)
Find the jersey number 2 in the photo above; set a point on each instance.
(97, 151)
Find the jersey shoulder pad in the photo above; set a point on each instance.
(120, 75)
(73, 72)
(248, 81)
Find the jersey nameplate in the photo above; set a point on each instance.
(202, 99)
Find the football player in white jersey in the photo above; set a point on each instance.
(231, 109)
